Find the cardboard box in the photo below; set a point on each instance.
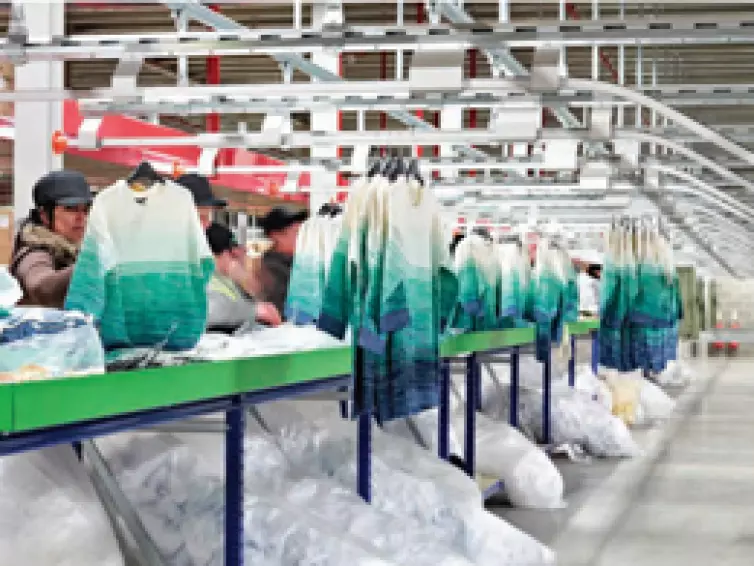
(6, 234)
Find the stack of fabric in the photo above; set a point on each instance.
(641, 304)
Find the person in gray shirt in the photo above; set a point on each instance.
(229, 307)
(280, 226)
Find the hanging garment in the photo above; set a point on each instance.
(478, 274)
(143, 268)
(514, 280)
(390, 279)
(641, 305)
(315, 245)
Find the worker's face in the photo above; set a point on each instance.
(69, 222)
(205, 215)
(284, 241)
(223, 262)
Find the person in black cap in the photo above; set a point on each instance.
(204, 199)
(47, 244)
(229, 306)
(281, 227)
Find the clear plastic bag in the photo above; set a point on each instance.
(529, 477)
(10, 291)
(425, 426)
(655, 404)
(38, 343)
(625, 389)
(50, 514)
(408, 481)
(181, 503)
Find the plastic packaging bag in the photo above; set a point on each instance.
(529, 477)
(578, 419)
(10, 291)
(655, 404)
(408, 481)
(181, 503)
(677, 374)
(625, 389)
(424, 426)
(50, 514)
(38, 343)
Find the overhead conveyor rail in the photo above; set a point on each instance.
(643, 32)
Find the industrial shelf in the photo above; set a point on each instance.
(35, 405)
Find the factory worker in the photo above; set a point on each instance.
(47, 244)
(205, 200)
(229, 306)
(280, 226)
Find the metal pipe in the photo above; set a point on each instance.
(183, 64)
(213, 78)
(298, 17)
(622, 68)
(639, 82)
(653, 122)
(595, 48)
(562, 52)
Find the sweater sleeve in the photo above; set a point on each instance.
(43, 284)
(86, 292)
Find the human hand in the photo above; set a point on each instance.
(267, 313)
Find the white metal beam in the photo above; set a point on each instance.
(36, 121)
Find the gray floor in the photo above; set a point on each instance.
(689, 501)
(697, 508)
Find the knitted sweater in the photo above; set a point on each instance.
(143, 268)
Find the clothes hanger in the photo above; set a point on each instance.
(144, 172)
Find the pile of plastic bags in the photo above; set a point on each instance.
(301, 506)
(49, 513)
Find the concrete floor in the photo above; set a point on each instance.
(688, 501)
(697, 507)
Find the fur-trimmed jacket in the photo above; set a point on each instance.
(42, 263)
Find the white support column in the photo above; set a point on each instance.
(324, 183)
(35, 122)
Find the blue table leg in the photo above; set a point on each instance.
(478, 387)
(364, 457)
(234, 540)
(472, 368)
(515, 356)
(76, 445)
(546, 396)
(443, 422)
(344, 412)
(595, 352)
(572, 364)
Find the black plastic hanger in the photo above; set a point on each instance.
(145, 172)
(413, 171)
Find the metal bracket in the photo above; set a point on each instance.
(207, 164)
(274, 128)
(545, 71)
(17, 35)
(123, 85)
(88, 134)
(436, 71)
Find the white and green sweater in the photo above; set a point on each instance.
(143, 268)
